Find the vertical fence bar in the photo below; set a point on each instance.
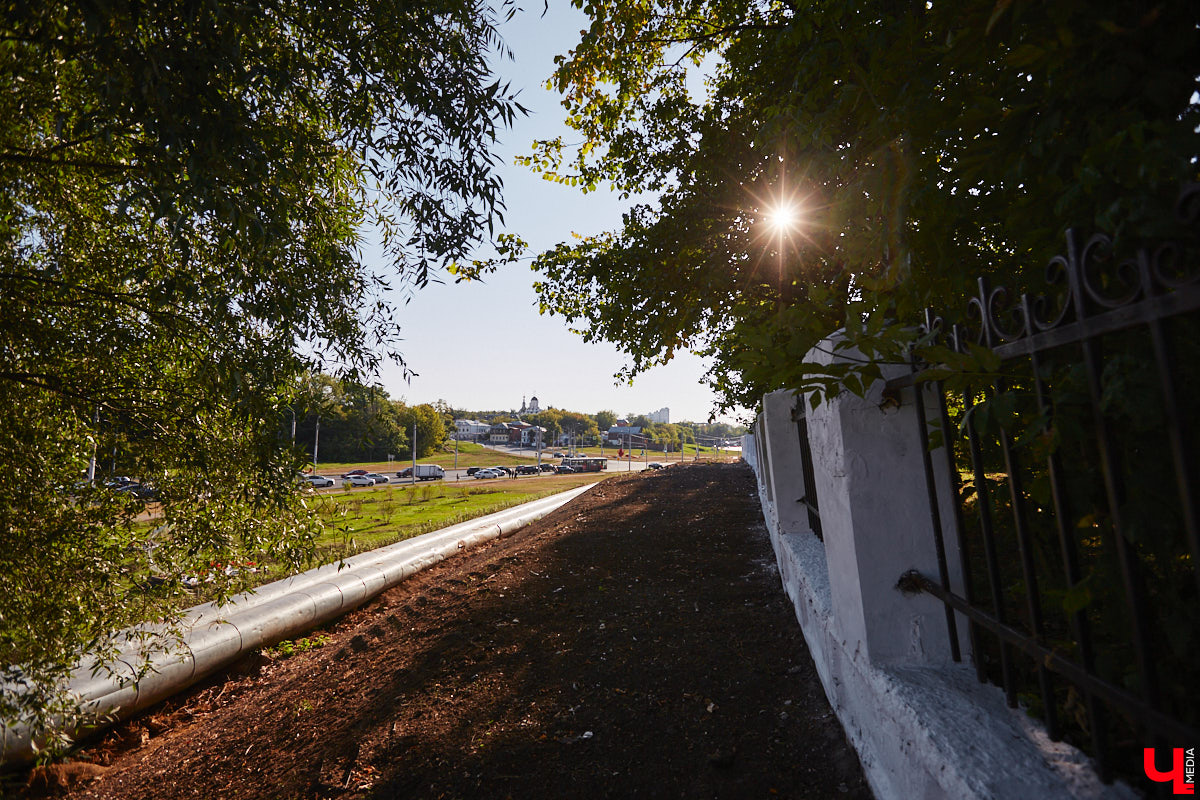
(964, 559)
(1114, 487)
(1029, 573)
(807, 474)
(1097, 721)
(1179, 433)
(934, 511)
(983, 502)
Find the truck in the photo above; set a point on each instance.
(425, 472)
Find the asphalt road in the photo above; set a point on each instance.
(453, 475)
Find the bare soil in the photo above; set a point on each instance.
(635, 643)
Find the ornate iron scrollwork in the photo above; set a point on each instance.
(1083, 284)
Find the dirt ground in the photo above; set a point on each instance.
(635, 643)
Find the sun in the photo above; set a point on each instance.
(783, 216)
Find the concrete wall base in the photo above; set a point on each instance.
(927, 732)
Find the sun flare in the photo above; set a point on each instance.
(783, 217)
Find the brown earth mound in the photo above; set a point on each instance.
(635, 643)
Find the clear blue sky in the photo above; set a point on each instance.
(483, 345)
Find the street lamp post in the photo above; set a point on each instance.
(316, 437)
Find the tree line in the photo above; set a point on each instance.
(349, 422)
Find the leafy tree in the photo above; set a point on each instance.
(663, 435)
(431, 430)
(605, 419)
(359, 423)
(921, 144)
(184, 186)
(581, 426)
(551, 420)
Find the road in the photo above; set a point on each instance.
(636, 464)
(454, 476)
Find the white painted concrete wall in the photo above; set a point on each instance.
(923, 725)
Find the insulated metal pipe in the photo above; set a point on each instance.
(211, 637)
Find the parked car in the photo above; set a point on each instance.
(357, 480)
(504, 470)
(528, 469)
(654, 465)
(375, 476)
(473, 470)
(547, 468)
(318, 481)
(487, 473)
(354, 472)
(141, 491)
(559, 454)
(563, 469)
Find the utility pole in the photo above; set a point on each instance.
(414, 448)
(92, 461)
(316, 437)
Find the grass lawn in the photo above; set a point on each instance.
(364, 519)
(359, 520)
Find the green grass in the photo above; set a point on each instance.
(364, 520)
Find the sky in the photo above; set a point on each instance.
(483, 346)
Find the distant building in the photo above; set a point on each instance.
(469, 430)
(531, 435)
(531, 408)
(660, 417)
(619, 434)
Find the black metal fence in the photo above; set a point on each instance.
(809, 497)
(1074, 465)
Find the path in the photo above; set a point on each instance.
(635, 643)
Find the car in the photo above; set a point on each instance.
(487, 473)
(375, 476)
(318, 481)
(405, 473)
(563, 469)
(528, 469)
(559, 454)
(141, 491)
(654, 465)
(473, 470)
(547, 468)
(354, 472)
(357, 480)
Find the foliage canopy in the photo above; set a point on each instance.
(922, 144)
(183, 190)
